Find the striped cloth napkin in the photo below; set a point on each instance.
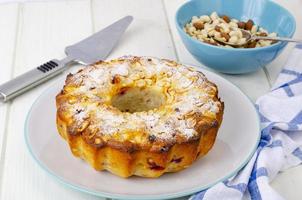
(280, 146)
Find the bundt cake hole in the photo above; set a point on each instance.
(137, 99)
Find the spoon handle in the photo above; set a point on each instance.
(277, 39)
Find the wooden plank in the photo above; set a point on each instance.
(147, 35)
(275, 67)
(44, 30)
(253, 84)
(8, 24)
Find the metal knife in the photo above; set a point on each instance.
(88, 51)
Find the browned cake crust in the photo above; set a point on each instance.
(130, 143)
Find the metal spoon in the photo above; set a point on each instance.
(249, 37)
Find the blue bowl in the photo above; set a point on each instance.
(264, 13)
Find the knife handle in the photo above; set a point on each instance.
(30, 79)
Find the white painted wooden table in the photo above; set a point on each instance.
(32, 33)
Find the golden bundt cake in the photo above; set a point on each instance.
(139, 115)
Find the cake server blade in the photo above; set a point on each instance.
(98, 46)
(90, 50)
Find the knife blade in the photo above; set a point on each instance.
(90, 50)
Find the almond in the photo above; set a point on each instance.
(252, 44)
(226, 36)
(226, 18)
(217, 28)
(249, 25)
(198, 25)
(241, 25)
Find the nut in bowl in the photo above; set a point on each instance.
(225, 32)
(258, 16)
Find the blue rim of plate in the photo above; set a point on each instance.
(140, 197)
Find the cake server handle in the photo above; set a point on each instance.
(32, 78)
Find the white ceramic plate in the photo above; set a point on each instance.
(237, 140)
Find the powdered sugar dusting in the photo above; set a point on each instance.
(184, 87)
(120, 69)
(80, 112)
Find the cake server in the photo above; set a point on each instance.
(90, 50)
